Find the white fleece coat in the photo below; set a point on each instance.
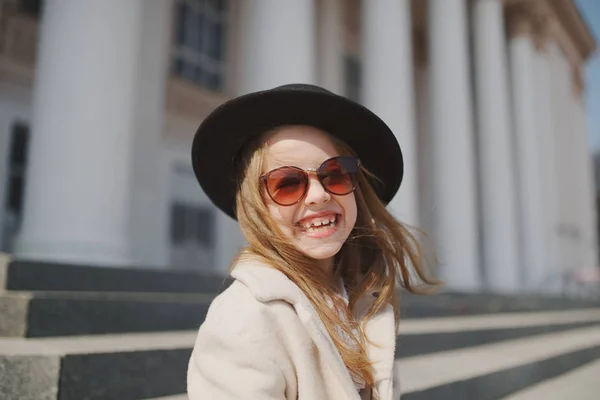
(263, 340)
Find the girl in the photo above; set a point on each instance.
(313, 311)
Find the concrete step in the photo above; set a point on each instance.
(452, 303)
(21, 275)
(125, 366)
(496, 370)
(149, 365)
(440, 334)
(581, 383)
(35, 276)
(67, 313)
(43, 314)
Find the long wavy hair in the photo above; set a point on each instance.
(379, 255)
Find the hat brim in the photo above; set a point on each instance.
(223, 132)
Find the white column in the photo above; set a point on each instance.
(561, 87)
(496, 172)
(78, 179)
(572, 173)
(150, 200)
(277, 44)
(388, 88)
(522, 52)
(544, 280)
(424, 163)
(585, 195)
(331, 45)
(451, 141)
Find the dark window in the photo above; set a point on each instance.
(15, 185)
(177, 223)
(192, 236)
(205, 227)
(31, 7)
(219, 5)
(14, 200)
(353, 77)
(16, 170)
(190, 223)
(200, 40)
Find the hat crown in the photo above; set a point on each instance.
(301, 87)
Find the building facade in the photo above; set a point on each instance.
(99, 101)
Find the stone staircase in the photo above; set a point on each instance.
(75, 332)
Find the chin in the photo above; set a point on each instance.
(323, 251)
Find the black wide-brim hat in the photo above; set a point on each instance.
(220, 137)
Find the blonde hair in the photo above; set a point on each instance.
(379, 253)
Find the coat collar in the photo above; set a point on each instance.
(268, 284)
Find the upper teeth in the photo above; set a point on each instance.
(319, 221)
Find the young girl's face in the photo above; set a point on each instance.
(308, 223)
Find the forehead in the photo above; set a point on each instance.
(301, 146)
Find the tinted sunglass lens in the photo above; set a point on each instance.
(286, 185)
(338, 175)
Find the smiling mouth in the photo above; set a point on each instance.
(320, 224)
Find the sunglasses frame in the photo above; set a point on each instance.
(263, 179)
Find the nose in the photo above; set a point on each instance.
(316, 194)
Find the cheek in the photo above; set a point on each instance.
(350, 210)
(283, 215)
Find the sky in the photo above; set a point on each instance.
(591, 12)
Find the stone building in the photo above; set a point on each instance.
(99, 101)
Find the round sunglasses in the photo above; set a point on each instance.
(288, 185)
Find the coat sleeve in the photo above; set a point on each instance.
(234, 358)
